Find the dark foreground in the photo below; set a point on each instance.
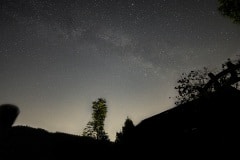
(202, 129)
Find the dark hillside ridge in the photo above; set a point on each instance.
(206, 126)
(32, 143)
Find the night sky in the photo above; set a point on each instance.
(58, 56)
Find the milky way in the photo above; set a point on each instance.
(56, 57)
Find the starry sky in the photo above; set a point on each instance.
(57, 57)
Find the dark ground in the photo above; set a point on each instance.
(204, 128)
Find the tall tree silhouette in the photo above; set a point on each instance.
(231, 9)
(127, 130)
(95, 128)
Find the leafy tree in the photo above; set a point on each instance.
(95, 128)
(230, 8)
(89, 131)
(190, 85)
(127, 130)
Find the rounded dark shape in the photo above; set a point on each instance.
(8, 115)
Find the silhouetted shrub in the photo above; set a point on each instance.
(126, 133)
(8, 115)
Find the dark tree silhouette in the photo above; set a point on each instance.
(231, 9)
(126, 133)
(95, 128)
(8, 115)
(89, 131)
(190, 86)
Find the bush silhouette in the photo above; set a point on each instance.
(8, 115)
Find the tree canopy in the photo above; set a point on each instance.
(231, 9)
(127, 130)
(95, 128)
(190, 85)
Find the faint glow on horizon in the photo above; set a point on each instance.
(53, 64)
